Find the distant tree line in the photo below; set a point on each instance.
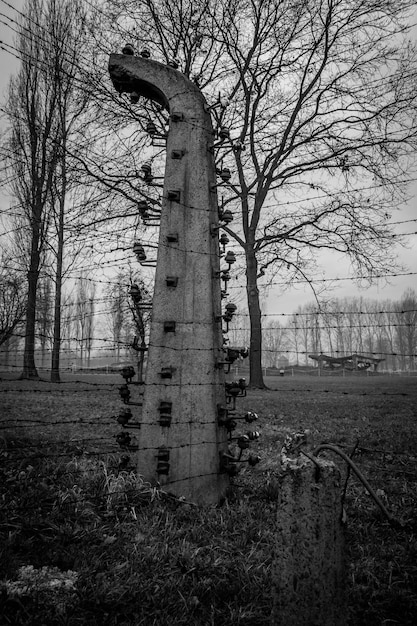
(385, 329)
(97, 327)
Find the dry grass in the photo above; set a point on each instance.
(143, 558)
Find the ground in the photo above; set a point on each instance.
(133, 556)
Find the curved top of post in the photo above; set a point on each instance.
(155, 81)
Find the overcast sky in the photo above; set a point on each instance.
(334, 266)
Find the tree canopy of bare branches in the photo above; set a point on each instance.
(320, 102)
(12, 300)
(43, 104)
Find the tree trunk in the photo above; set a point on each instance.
(56, 348)
(82, 346)
(6, 352)
(29, 367)
(255, 348)
(141, 360)
(142, 346)
(55, 376)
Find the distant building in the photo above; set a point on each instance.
(353, 362)
(282, 362)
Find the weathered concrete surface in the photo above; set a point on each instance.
(196, 386)
(308, 571)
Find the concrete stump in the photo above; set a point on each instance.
(308, 570)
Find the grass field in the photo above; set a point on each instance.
(116, 552)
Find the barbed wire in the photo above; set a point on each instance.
(90, 453)
(13, 50)
(77, 454)
(122, 29)
(96, 439)
(216, 253)
(127, 229)
(16, 423)
(70, 52)
(39, 26)
(219, 351)
(96, 8)
(330, 280)
(308, 216)
(86, 455)
(345, 324)
(322, 280)
(316, 313)
(312, 281)
(291, 351)
(16, 53)
(378, 276)
(323, 312)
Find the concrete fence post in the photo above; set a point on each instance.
(308, 569)
(180, 437)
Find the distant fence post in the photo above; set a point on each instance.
(308, 570)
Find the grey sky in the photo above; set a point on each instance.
(276, 300)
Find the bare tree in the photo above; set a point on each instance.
(239, 331)
(316, 98)
(117, 310)
(386, 329)
(68, 328)
(294, 336)
(301, 329)
(274, 342)
(406, 329)
(12, 299)
(388, 320)
(44, 315)
(67, 37)
(46, 100)
(84, 317)
(140, 307)
(90, 323)
(33, 148)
